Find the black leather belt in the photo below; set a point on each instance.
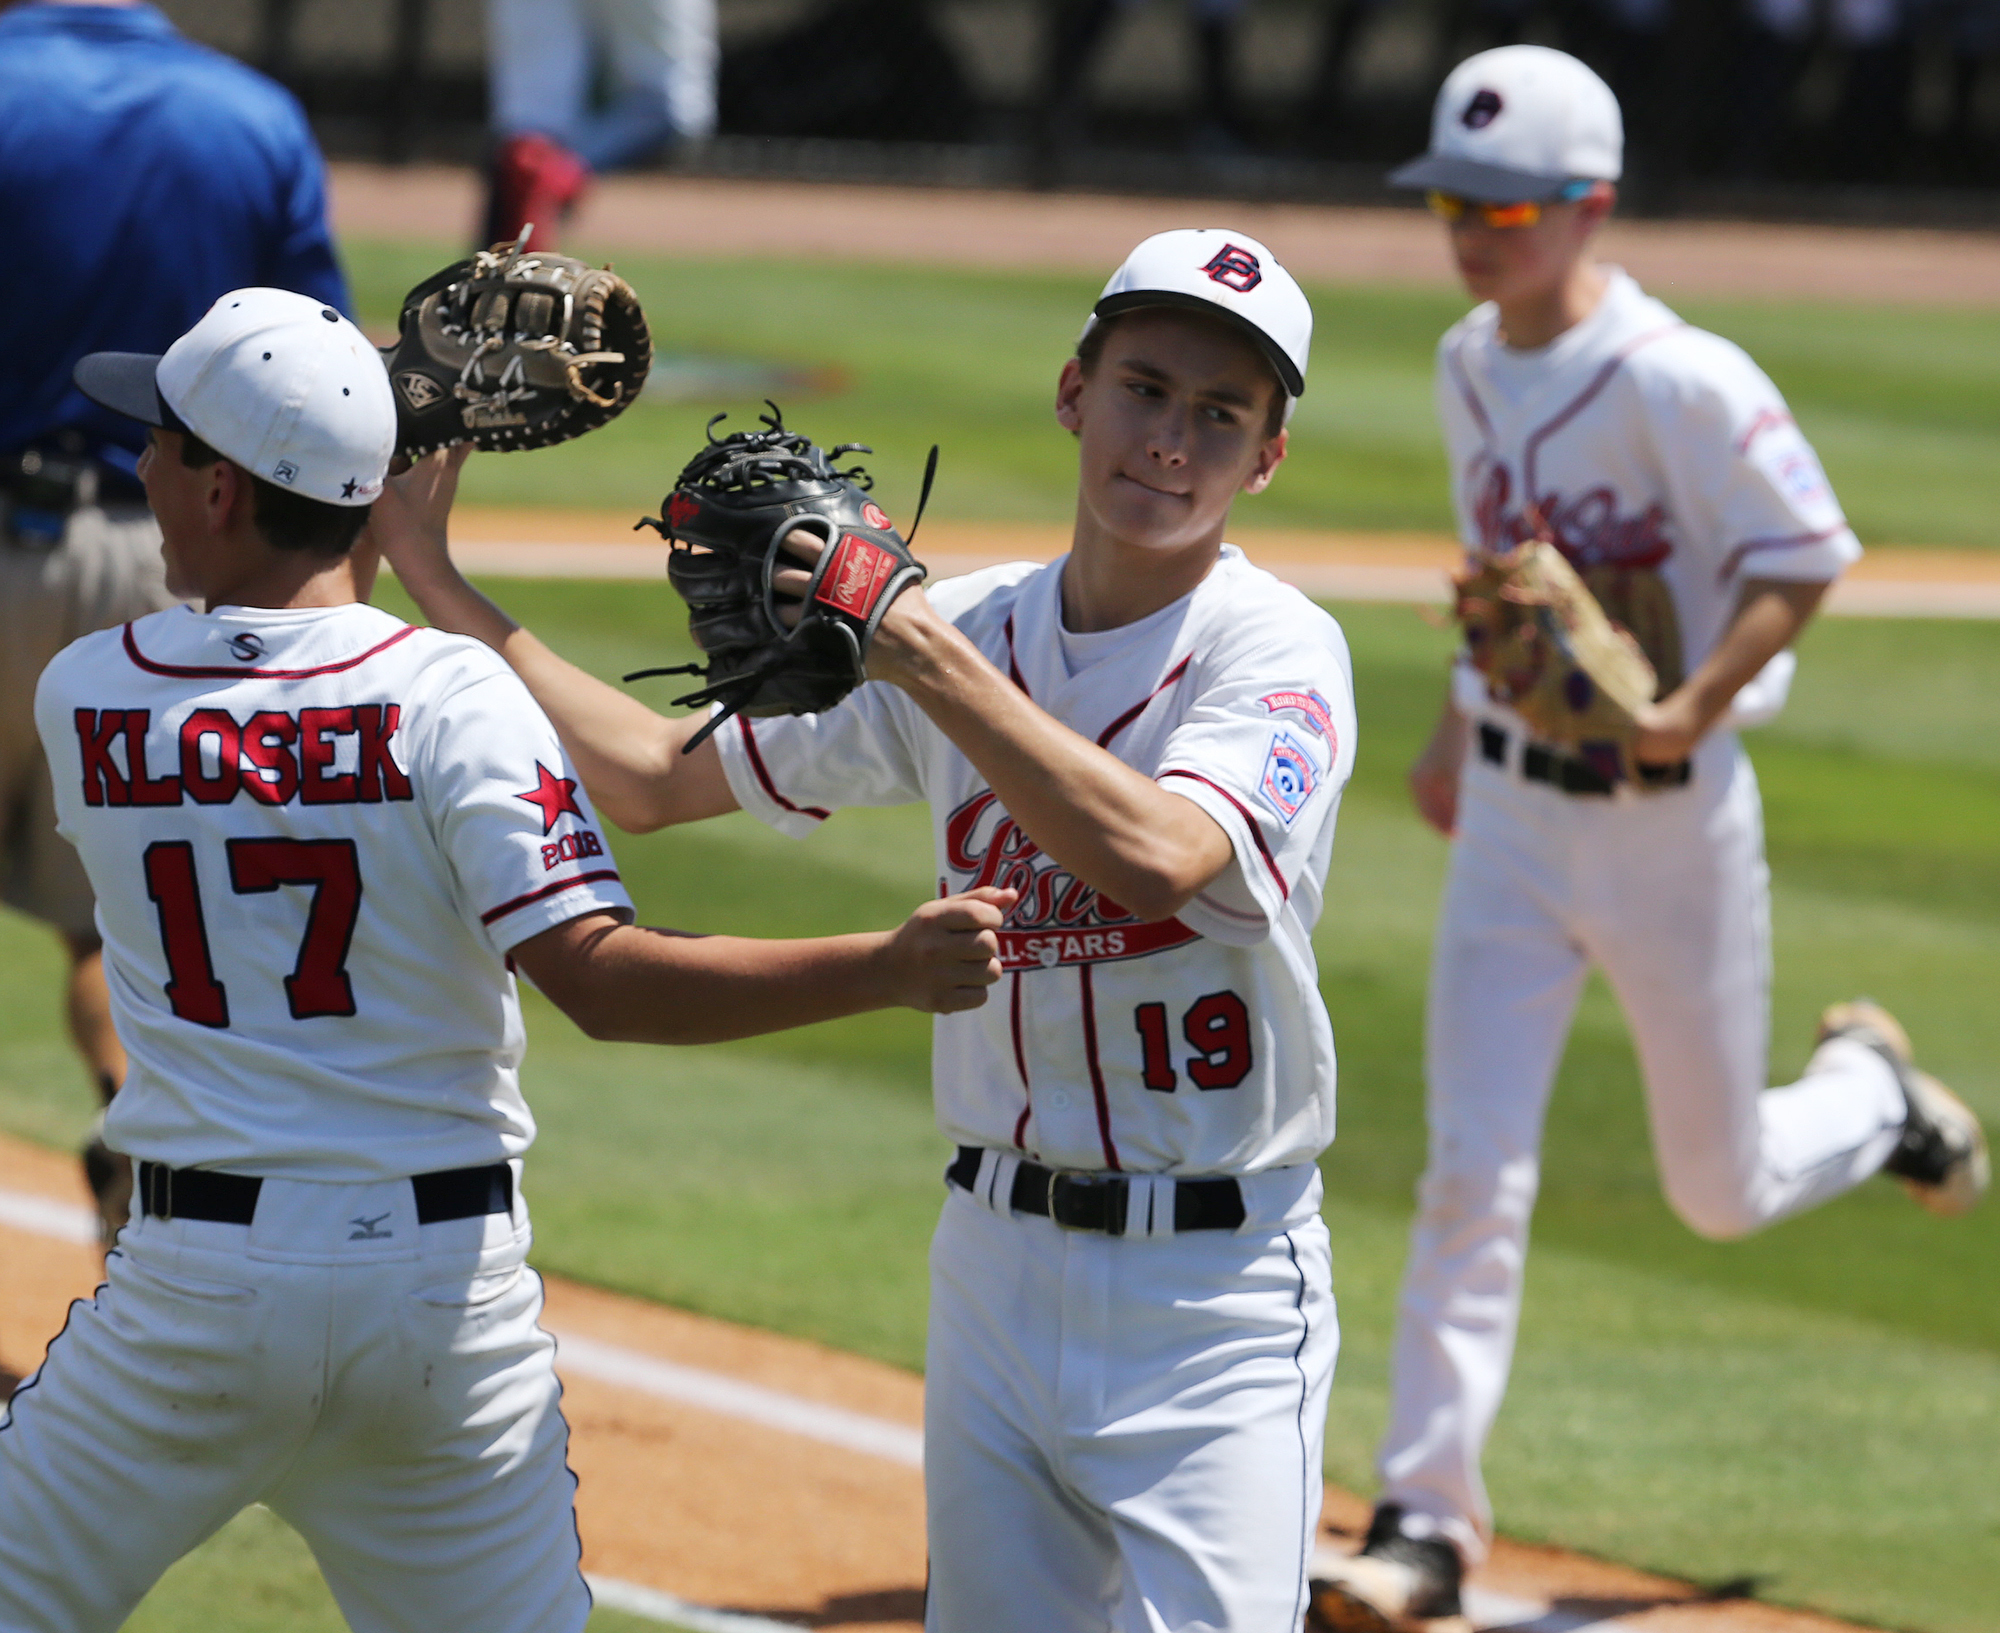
(43, 485)
(1571, 775)
(1098, 1201)
(231, 1199)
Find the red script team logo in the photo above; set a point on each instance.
(1059, 919)
(1235, 268)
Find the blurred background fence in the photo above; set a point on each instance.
(1875, 108)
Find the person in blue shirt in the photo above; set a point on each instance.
(141, 177)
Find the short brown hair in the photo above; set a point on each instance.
(1090, 352)
(288, 521)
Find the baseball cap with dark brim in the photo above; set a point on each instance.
(1225, 275)
(1517, 125)
(1468, 178)
(127, 383)
(1134, 300)
(275, 381)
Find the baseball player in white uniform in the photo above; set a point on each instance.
(321, 841)
(1664, 465)
(1132, 1324)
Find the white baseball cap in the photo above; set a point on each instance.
(1212, 270)
(280, 383)
(1517, 123)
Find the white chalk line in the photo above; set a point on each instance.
(750, 1403)
(38, 1216)
(731, 1397)
(607, 1363)
(655, 1606)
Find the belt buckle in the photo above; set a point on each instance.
(1088, 1202)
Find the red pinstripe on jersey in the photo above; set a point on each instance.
(1013, 668)
(1139, 708)
(1020, 1064)
(1798, 541)
(764, 776)
(195, 672)
(555, 889)
(1249, 820)
(1533, 446)
(1089, 998)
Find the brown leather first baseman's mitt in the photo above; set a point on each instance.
(1550, 653)
(727, 518)
(515, 349)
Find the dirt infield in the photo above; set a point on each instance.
(1080, 232)
(779, 1479)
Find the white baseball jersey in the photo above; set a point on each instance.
(1655, 454)
(1663, 463)
(1193, 1045)
(314, 837)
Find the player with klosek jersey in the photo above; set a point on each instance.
(320, 841)
(1132, 1324)
(1584, 421)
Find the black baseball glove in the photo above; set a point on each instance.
(727, 518)
(515, 349)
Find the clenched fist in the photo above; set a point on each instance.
(947, 953)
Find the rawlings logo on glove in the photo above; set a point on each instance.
(1550, 653)
(728, 518)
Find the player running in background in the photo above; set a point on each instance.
(321, 842)
(140, 177)
(1664, 465)
(1132, 1327)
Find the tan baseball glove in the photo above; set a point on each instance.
(515, 349)
(1549, 652)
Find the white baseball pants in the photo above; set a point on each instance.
(383, 1387)
(1126, 1433)
(661, 57)
(1668, 894)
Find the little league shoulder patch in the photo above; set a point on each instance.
(1313, 709)
(1289, 776)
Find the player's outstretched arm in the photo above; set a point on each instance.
(1770, 615)
(629, 757)
(627, 984)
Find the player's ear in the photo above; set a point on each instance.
(228, 497)
(1069, 395)
(1269, 458)
(1596, 205)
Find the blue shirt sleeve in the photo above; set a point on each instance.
(302, 256)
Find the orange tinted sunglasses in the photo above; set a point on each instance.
(1526, 212)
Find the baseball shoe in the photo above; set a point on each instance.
(1941, 1158)
(535, 181)
(109, 1175)
(1395, 1584)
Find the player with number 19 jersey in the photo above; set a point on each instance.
(1186, 1046)
(315, 834)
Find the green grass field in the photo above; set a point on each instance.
(1904, 405)
(1817, 1408)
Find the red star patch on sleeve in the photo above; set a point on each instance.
(555, 796)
